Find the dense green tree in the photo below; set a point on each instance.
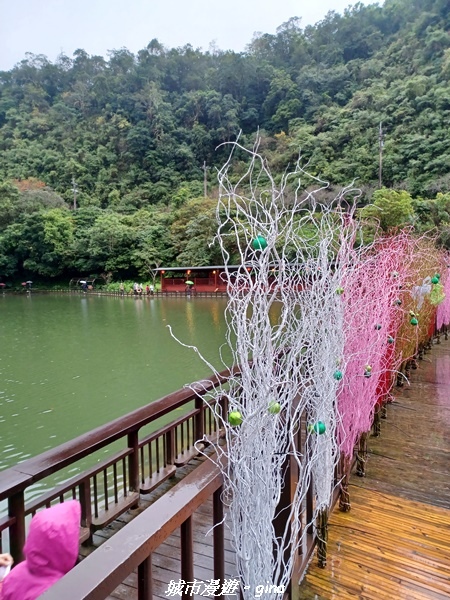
(153, 242)
(9, 196)
(105, 246)
(390, 208)
(135, 132)
(38, 243)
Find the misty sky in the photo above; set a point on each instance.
(53, 26)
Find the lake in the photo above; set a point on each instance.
(69, 363)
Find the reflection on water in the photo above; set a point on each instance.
(189, 314)
(69, 364)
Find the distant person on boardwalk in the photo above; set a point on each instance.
(121, 289)
(51, 551)
(152, 289)
(147, 289)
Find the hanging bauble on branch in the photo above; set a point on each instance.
(318, 428)
(235, 418)
(437, 294)
(274, 407)
(259, 243)
(414, 321)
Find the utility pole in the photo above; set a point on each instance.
(205, 187)
(74, 190)
(380, 164)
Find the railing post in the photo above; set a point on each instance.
(377, 421)
(218, 536)
(282, 519)
(145, 591)
(310, 508)
(361, 456)
(322, 537)
(133, 461)
(86, 503)
(170, 447)
(199, 424)
(187, 555)
(224, 405)
(16, 509)
(344, 496)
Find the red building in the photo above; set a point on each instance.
(201, 279)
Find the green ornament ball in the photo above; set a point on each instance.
(340, 291)
(259, 243)
(398, 302)
(435, 279)
(274, 407)
(377, 326)
(235, 418)
(390, 340)
(414, 321)
(320, 427)
(337, 375)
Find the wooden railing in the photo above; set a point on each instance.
(131, 548)
(108, 489)
(114, 484)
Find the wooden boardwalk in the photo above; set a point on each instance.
(395, 542)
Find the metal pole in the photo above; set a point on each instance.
(74, 190)
(380, 166)
(205, 189)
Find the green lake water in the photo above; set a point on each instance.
(71, 363)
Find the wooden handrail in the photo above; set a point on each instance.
(99, 506)
(74, 481)
(103, 570)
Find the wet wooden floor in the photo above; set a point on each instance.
(395, 542)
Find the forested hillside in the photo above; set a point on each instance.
(133, 132)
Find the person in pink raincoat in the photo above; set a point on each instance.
(50, 551)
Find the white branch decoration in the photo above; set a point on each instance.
(285, 331)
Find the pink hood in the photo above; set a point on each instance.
(51, 550)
